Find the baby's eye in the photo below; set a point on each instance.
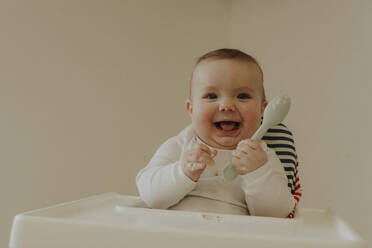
(210, 96)
(244, 96)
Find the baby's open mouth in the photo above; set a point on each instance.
(227, 125)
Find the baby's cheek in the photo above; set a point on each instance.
(205, 118)
(202, 125)
(253, 117)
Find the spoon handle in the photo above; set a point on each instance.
(259, 133)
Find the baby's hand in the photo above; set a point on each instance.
(248, 156)
(195, 160)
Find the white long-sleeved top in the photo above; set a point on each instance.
(263, 192)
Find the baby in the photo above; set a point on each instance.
(226, 104)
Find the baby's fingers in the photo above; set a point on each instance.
(248, 144)
(197, 166)
(207, 159)
(239, 154)
(200, 156)
(206, 149)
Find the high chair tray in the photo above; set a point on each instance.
(114, 220)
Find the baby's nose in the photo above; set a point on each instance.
(227, 106)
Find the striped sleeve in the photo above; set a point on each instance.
(280, 139)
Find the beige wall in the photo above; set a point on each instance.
(319, 53)
(89, 89)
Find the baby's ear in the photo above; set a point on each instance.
(189, 106)
(263, 106)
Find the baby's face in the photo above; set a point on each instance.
(227, 101)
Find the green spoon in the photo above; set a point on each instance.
(274, 113)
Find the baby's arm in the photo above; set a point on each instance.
(266, 188)
(162, 183)
(280, 176)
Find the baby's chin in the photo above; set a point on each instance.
(227, 143)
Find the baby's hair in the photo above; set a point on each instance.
(228, 53)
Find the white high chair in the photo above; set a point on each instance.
(114, 220)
